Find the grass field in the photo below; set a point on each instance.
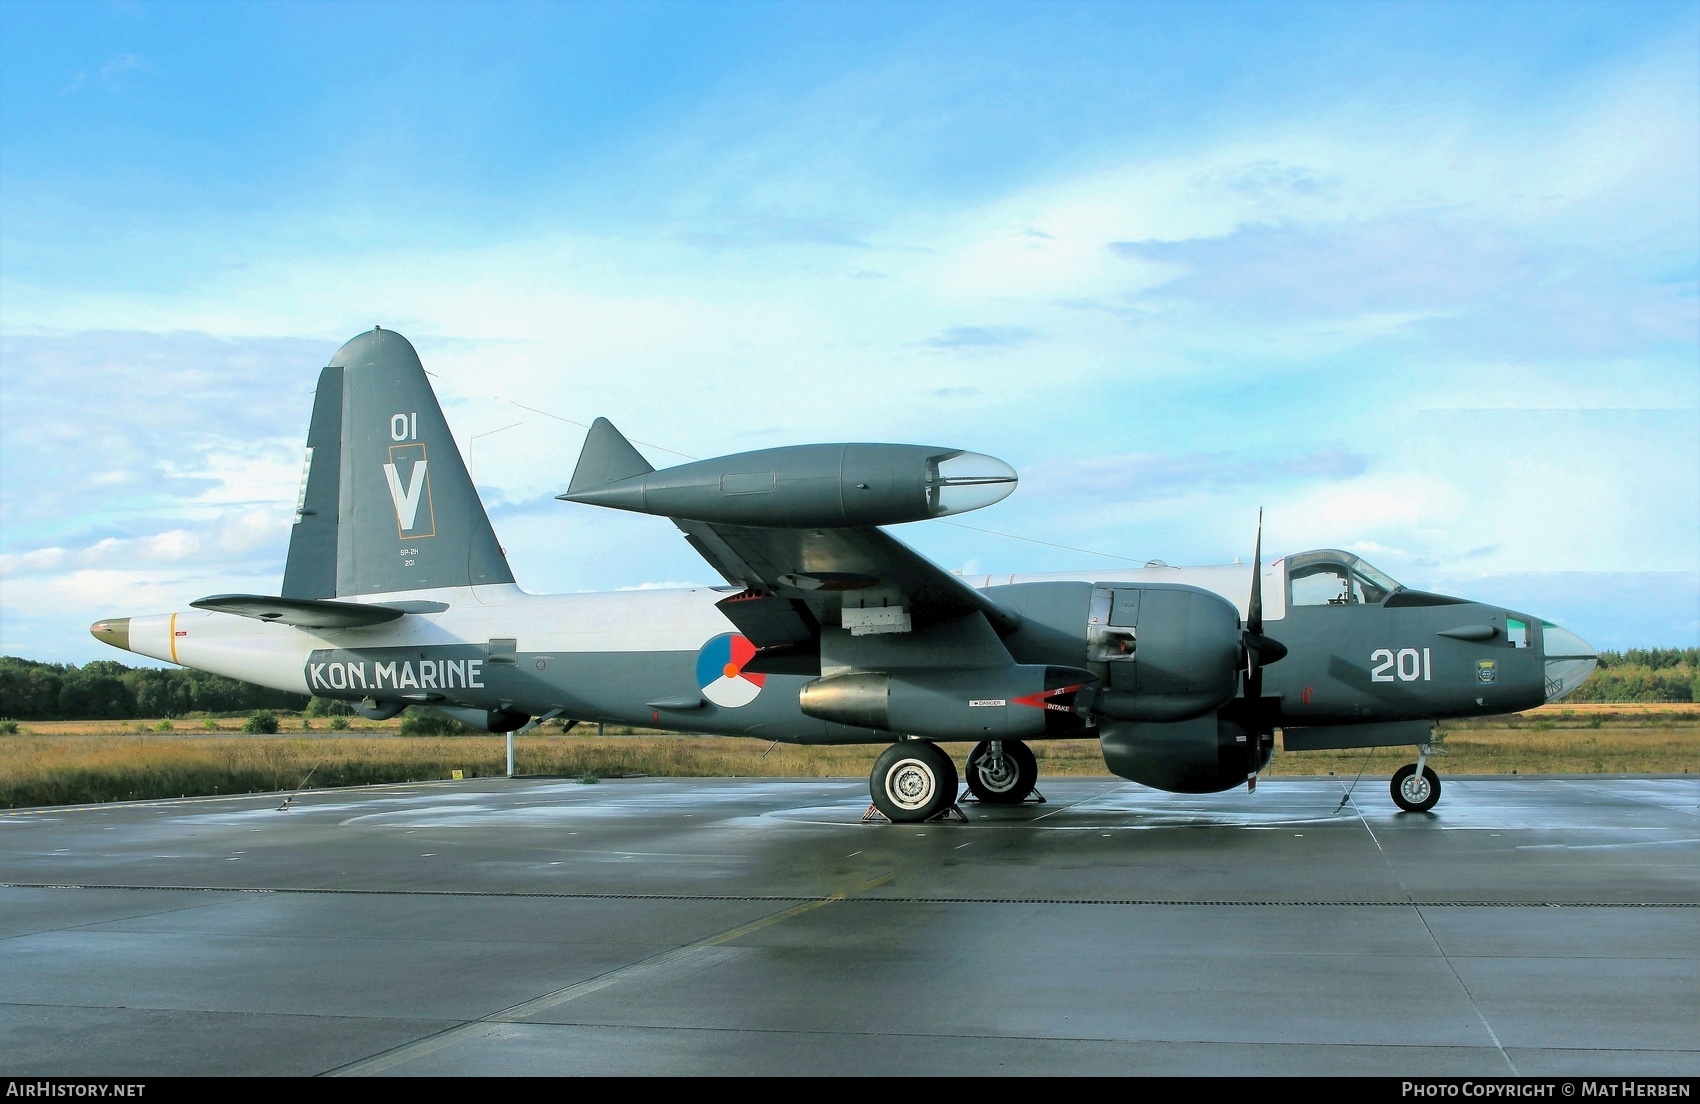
(64, 762)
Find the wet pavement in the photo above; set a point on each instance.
(737, 926)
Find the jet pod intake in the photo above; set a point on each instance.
(809, 486)
(1019, 701)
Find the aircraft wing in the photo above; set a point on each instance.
(796, 580)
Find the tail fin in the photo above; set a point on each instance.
(607, 457)
(386, 504)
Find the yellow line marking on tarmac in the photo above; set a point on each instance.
(518, 1013)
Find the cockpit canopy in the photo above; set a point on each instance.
(1330, 577)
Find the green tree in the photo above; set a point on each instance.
(29, 689)
(96, 691)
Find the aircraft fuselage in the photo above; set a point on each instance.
(640, 657)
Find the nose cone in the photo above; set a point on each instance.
(114, 631)
(1569, 660)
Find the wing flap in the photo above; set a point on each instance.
(768, 620)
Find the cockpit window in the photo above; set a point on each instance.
(1329, 577)
(1379, 578)
(1366, 590)
(1322, 584)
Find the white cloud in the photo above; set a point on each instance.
(1292, 314)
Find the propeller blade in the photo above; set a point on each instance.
(1254, 614)
(1260, 650)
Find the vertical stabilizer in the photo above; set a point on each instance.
(387, 504)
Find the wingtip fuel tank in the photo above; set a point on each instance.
(799, 486)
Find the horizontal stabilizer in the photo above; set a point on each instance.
(607, 457)
(302, 613)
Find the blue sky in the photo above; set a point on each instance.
(1420, 280)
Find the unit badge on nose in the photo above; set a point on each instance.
(1486, 670)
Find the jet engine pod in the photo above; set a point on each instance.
(1012, 702)
(1202, 755)
(812, 486)
(1168, 652)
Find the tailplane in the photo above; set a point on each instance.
(386, 503)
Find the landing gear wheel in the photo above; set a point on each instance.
(1002, 779)
(913, 781)
(1413, 792)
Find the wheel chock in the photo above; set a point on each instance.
(1033, 798)
(952, 813)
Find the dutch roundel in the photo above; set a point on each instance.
(720, 671)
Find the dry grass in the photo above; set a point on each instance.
(53, 763)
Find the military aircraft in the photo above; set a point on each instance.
(829, 630)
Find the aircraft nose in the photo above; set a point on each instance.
(1569, 659)
(113, 630)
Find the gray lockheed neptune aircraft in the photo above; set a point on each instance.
(396, 593)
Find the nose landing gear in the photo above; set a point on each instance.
(1415, 786)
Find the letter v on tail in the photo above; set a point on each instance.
(406, 501)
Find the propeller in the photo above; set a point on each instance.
(1260, 651)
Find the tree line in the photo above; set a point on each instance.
(1643, 675)
(106, 690)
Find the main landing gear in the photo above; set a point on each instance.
(1415, 786)
(1002, 772)
(915, 780)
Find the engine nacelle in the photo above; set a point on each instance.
(1201, 755)
(814, 486)
(1169, 651)
(490, 720)
(1016, 702)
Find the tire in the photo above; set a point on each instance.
(913, 781)
(1008, 783)
(1412, 793)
